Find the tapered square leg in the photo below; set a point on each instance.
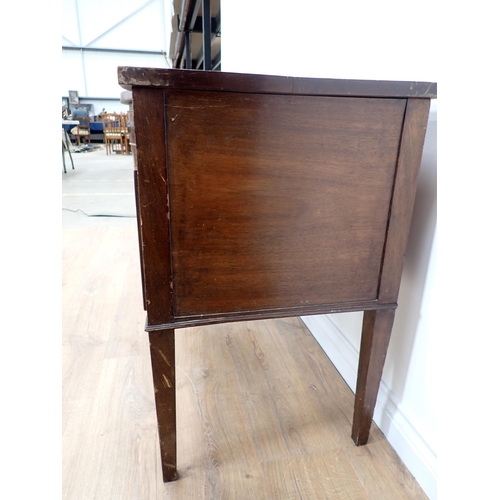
(162, 345)
(377, 327)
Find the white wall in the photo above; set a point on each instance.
(109, 34)
(384, 40)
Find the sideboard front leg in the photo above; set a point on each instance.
(377, 327)
(162, 345)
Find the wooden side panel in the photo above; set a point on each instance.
(152, 188)
(278, 201)
(405, 187)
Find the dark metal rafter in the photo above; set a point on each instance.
(191, 21)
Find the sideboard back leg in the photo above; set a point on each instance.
(377, 327)
(162, 345)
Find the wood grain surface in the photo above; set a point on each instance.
(218, 81)
(253, 202)
(278, 201)
(375, 336)
(152, 187)
(262, 413)
(412, 142)
(162, 349)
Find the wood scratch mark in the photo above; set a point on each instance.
(162, 355)
(167, 383)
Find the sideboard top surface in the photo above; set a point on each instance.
(129, 77)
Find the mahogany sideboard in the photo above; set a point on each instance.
(266, 196)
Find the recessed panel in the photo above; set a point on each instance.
(277, 201)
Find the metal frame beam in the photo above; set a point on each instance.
(190, 22)
(198, 25)
(125, 51)
(126, 18)
(193, 16)
(187, 51)
(207, 39)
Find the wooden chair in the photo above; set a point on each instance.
(114, 136)
(82, 130)
(126, 132)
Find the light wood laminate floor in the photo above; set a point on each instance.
(262, 412)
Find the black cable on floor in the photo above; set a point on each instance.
(100, 215)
